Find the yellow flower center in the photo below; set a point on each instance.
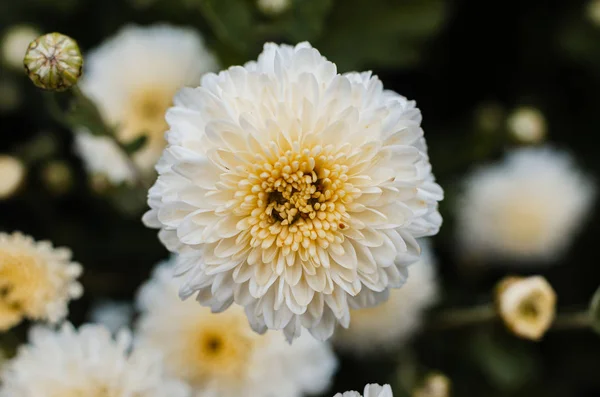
(529, 309)
(21, 284)
(296, 199)
(218, 347)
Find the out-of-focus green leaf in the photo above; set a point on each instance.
(385, 33)
(305, 20)
(231, 21)
(84, 113)
(595, 311)
(507, 363)
(136, 144)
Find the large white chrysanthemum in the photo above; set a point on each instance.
(36, 280)
(372, 390)
(85, 363)
(527, 207)
(219, 354)
(394, 321)
(132, 78)
(293, 190)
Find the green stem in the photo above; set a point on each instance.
(574, 320)
(453, 318)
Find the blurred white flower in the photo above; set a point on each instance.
(15, 41)
(12, 175)
(372, 390)
(219, 354)
(132, 78)
(528, 207)
(85, 363)
(394, 321)
(527, 305)
(527, 125)
(114, 315)
(273, 7)
(36, 280)
(292, 190)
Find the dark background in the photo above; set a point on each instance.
(454, 58)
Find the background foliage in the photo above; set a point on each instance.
(454, 57)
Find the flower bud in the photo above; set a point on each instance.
(434, 385)
(12, 175)
(53, 62)
(273, 7)
(527, 125)
(527, 305)
(58, 177)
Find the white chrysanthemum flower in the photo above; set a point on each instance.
(114, 315)
(132, 78)
(527, 305)
(85, 363)
(219, 354)
(15, 42)
(293, 190)
(528, 207)
(527, 125)
(394, 321)
(273, 7)
(372, 390)
(12, 175)
(36, 280)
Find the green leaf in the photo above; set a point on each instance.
(231, 21)
(386, 33)
(136, 144)
(84, 113)
(595, 311)
(304, 21)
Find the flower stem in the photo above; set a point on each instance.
(574, 320)
(454, 318)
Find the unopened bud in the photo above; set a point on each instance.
(527, 125)
(434, 385)
(53, 62)
(273, 7)
(12, 175)
(527, 305)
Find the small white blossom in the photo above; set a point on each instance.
(372, 390)
(37, 280)
(527, 207)
(132, 78)
(85, 363)
(220, 355)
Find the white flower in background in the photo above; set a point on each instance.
(434, 385)
(114, 315)
(528, 207)
(36, 280)
(372, 390)
(12, 175)
(219, 354)
(15, 41)
(527, 125)
(85, 363)
(132, 78)
(273, 7)
(293, 191)
(593, 11)
(527, 305)
(394, 321)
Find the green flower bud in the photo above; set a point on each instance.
(53, 62)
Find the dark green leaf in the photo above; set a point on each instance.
(136, 144)
(595, 311)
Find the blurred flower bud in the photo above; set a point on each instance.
(10, 95)
(434, 385)
(273, 7)
(593, 11)
(12, 175)
(489, 117)
(527, 125)
(527, 305)
(58, 177)
(53, 62)
(15, 42)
